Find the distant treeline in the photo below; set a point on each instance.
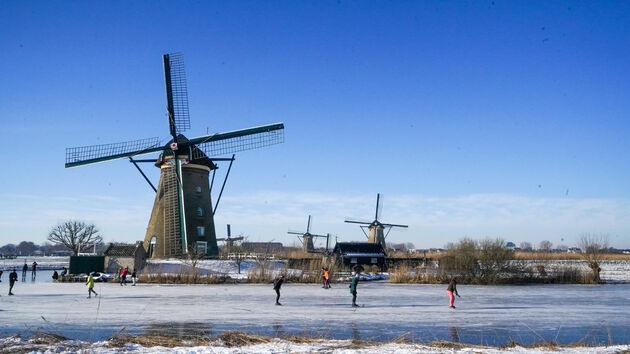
(28, 248)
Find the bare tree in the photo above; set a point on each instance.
(238, 254)
(74, 235)
(192, 259)
(526, 246)
(593, 248)
(545, 246)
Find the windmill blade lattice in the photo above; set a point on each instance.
(84, 155)
(179, 92)
(238, 140)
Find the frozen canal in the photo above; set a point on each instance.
(485, 314)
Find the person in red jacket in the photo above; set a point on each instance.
(123, 276)
(452, 288)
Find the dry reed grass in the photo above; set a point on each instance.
(535, 256)
(403, 274)
(183, 278)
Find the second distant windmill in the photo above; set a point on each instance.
(376, 228)
(307, 238)
(229, 240)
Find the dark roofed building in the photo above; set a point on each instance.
(119, 255)
(363, 253)
(262, 247)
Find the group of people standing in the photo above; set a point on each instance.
(33, 271)
(123, 277)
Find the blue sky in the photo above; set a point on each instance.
(482, 119)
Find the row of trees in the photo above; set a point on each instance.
(489, 260)
(72, 235)
(28, 248)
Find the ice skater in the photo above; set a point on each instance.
(277, 284)
(353, 288)
(325, 278)
(55, 276)
(24, 269)
(452, 289)
(33, 270)
(90, 285)
(12, 280)
(123, 276)
(134, 279)
(1, 276)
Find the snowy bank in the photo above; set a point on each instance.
(51, 344)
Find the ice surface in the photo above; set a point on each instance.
(487, 315)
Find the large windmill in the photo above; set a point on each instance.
(307, 237)
(229, 240)
(376, 228)
(183, 216)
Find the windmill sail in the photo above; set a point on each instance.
(238, 140)
(176, 93)
(86, 155)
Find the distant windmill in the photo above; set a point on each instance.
(376, 228)
(307, 237)
(229, 240)
(183, 215)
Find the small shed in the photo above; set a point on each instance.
(85, 264)
(359, 253)
(118, 256)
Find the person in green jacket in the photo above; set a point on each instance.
(353, 288)
(90, 285)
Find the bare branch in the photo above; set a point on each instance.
(74, 235)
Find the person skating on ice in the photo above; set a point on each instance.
(353, 288)
(90, 285)
(12, 280)
(325, 278)
(24, 269)
(277, 284)
(123, 276)
(33, 270)
(452, 289)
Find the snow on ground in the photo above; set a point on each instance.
(212, 267)
(485, 315)
(278, 345)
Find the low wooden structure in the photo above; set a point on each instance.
(118, 256)
(350, 254)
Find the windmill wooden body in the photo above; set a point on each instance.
(307, 238)
(182, 218)
(376, 228)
